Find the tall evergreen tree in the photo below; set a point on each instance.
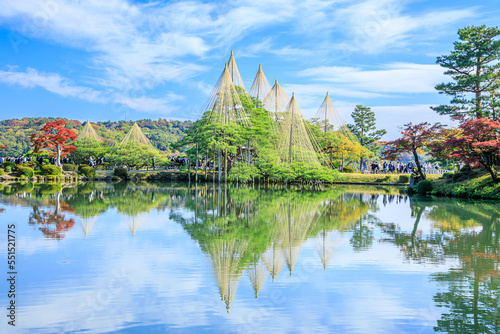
(364, 129)
(474, 67)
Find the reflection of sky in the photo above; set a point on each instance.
(160, 280)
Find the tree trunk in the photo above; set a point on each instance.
(492, 172)
(58, 159)
(419, 168)
(479, 112)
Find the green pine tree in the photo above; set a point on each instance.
(474, 67)
(365, 130)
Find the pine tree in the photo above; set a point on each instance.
(474, 67)
(364, 129)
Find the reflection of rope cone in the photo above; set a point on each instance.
(327, 242)
(225, 257)
(273, 258)
(134, 223)
(295, 222)
(87, 225)
(257, 274)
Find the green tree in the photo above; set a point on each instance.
(365, 130)
(474, 67)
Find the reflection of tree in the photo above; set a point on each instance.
(415, 245)
(52, 224)
(469, 232)
(473, 296)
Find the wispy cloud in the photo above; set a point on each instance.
(51, 82)
(391, 78)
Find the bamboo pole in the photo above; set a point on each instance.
(196, 166)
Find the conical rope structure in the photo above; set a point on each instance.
(224, 105)
(257, 274)
(233, 72)
(260, 87)
(88, 132)
(276, 102)
(226, 256)
(89, 137)
(330, 119)
(135, 135)
(295, 144)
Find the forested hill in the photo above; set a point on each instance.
(15, 133)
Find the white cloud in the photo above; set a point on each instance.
(391, 78)
(374, 26)
(51, 82)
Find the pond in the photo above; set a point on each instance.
(177, 258)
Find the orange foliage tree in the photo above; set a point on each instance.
(54, 138)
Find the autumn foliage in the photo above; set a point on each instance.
(475, 142)
(55, 138)
(414, 138)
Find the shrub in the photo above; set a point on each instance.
(458, 176)
(8, 169)
(82, 166)
(88, 171)
(448, 175)
(424, 187)
(26, 171)
(69, 167)
(411, 190)
(50, 170)
(466, 169)
(348, 169)
(121, 173)
(9, 163)
(2, 172)
(404, 178)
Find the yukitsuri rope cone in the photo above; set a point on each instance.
(260, 87)
(276, 102)
(224, 104)
(234, 73)
(135, 135)
(226, 256)
(331, 120)
(88, 135)
(295, 145)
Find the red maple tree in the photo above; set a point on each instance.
(2, 147)
(414, 139)
(477, 142)
(55, 138)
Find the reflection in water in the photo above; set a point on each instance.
(257, 232)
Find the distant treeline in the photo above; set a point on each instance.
(15, 133)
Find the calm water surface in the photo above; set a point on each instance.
(176, 258)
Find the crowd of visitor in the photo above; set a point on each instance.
(399, 167)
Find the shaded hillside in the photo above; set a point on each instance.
(14, 133)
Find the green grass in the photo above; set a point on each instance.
(481, 186)
(377, 178)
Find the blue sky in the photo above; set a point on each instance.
(117, 59)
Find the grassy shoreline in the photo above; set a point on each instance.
(176, 175)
